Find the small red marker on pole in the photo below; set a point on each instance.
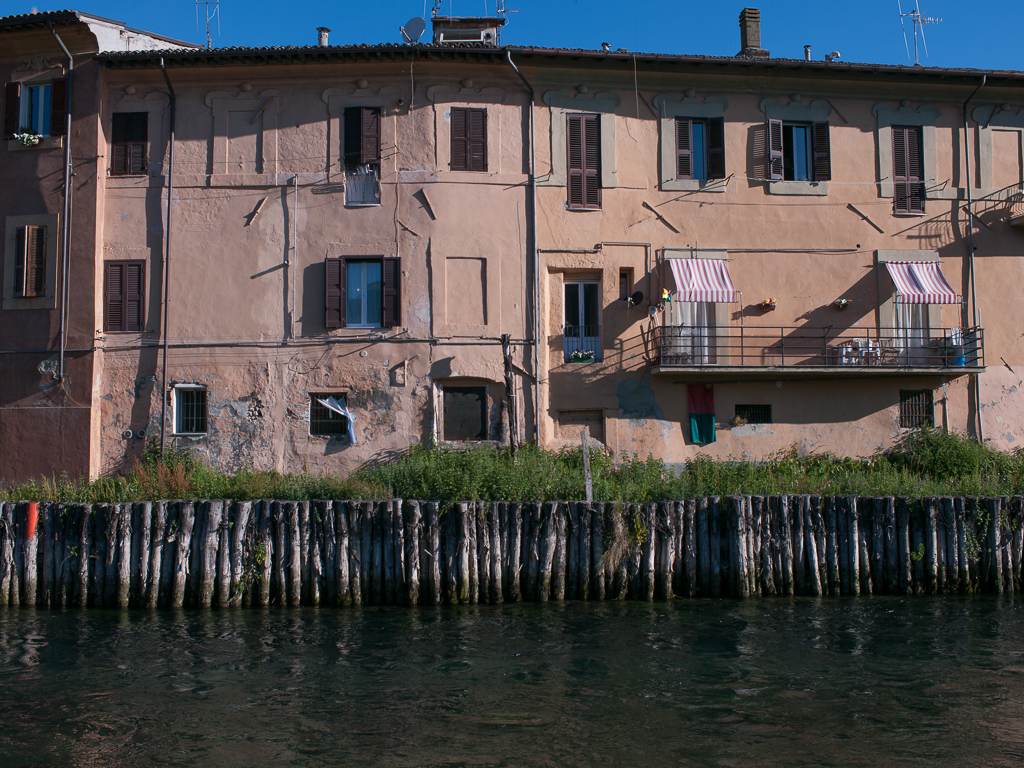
(31, 518)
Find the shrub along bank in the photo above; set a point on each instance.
(924, 463)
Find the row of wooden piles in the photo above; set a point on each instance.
(254, 553)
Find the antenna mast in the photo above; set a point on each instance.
(919, 22)
(210, 14)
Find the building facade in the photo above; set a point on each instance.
(315, 257)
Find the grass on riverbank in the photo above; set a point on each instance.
(925, 463)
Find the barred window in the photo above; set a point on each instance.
(322, 420)
(917, 408)
(190, 410)
(754, 414)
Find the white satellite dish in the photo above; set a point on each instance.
(413, 29)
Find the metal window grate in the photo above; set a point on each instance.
(755, 414)
(917, 408)
(362, 185)
(322, 420)
(190, 410)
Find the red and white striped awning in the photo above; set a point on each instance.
(704, 280)
(921, 282)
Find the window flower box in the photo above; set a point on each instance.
(767, 305)
(582, 356)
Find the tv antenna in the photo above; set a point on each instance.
(210, 14)
(413, 29)
(919, 22)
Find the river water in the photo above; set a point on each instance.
(909, 682)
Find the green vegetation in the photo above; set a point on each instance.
(925, 463)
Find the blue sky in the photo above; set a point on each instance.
(982, 35)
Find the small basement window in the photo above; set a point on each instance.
(754, 414)
(917, 408)
(190, 409)
(465, 413)
(322, 420)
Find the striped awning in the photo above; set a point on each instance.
(704, 280)
(921, 282)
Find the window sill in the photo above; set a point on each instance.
(362, 205)
(816, 188)
(581, 210)
(192, 435)
(695, 185)
(908, 215)
(32, 302)
(48, 142)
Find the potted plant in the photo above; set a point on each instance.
(28, 137)
(582, 356)
(843, 303)
(767, 305)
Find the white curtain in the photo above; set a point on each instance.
(692, 332)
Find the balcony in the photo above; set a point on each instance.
(813, 352)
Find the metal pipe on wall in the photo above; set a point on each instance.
(66, 223)
(970, 240)
(167, 260)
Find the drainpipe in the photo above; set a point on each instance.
(533, 253)
(970, 240)
(167, 262)
(66, 224)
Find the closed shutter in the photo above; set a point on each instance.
(820, 151)
(58, 107)
(124, 296)
(362, 135)
(460, 141)
(592, 160)
(716, 147)
(128, 137)
(19, 262)
(335, 297)
(136, 159)
(134, 295)
(391, 298)
(583, 139)
(30, 265)
(118, 159)
(371, 136)
(775, 150)
(476, 139)
(907, 170)
(113, 296)
(684, 142)
(12, 110)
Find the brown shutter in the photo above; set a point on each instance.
(134, 296)
(58, 107)
(118, 159)
(335, 295)
(137, 158)
(370, 135)
(574, 148)
(35, 262)
(684, 141)
(915, 170)
(12, 110)
(592, 160)
(476, 139)
(362, 135)
(716, 147)
(113, 296)
(775, 150)
(821, 152)
(907, 170)
(460, 140)
(21, 257)
(391, 297)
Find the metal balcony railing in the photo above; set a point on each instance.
(1014, 201)
(362, 185)
(584, 340)
(780, 346)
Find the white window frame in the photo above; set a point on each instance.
(176, 405)
(566, 347)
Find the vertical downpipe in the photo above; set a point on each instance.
(167, 262)
(970, 240)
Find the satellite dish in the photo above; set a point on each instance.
(413, 29)
(635, 299)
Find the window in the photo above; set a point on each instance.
(754, 414)
(34, 108)
(323, 420)
(362, 155)
(917, 408)
(582, 325)
(189, 409)
(625, 284)
(465, 413)
(700, 148)
(30, 262)
(124, 296)
(129, 133)
(907, 169)
(799, 151)
(583, 145)
(363, 292)
(469, 139)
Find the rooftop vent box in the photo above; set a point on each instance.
(463, 29)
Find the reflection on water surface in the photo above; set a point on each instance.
(840, 682)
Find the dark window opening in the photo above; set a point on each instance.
(30, 262)
(190, 410)
(917, 408)
(322, 420)
(362, 155)
(129, 133)
(754, 414)
(625, 283)
(465, 413)
(469, 139)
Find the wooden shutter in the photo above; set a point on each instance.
(136, 158)
(820, 152)
(592, 160)
(775, 150)
(134, 295)
(124, 296)
(30, 265)
(460, 141)
(128, 136)
(715, 137)
(391, 298)
(684, 143)
(362, 135)
(907, 170)
(58, 107)
(583, 146)
(113, 296)
(118, 159)
(19, 261)
(335, 296)
(12, 110)
(370, 136)
(476, 139)
(574, 148)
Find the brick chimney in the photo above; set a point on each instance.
(750, 34)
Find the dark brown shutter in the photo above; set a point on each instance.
(35, 261)
(716, 147)
(583, 146)
(371, 135)
(118, 159)
(907, 170)
(574, 148)
(476, 139)
(460, 141)
(113, 296)
(134, 295)
(684, 141)
(592, 158)
(362, 135)
(775, 150)
(137, 158)
(821, 152)
(21, 258)
(915, 170)
(335, 296)
(58, 107)
(12, 110)
(391, 297)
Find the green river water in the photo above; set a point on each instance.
(881, 681)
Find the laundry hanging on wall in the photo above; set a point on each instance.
(702, 413)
